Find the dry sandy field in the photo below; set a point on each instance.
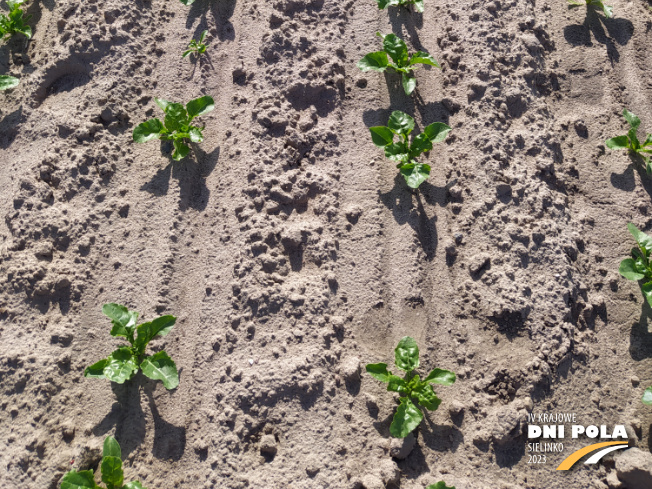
(293, 253)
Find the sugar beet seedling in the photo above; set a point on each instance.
(177, 125)
(607, 9)
(639, 268)
(402, 62)
(408, 416)
(14, 23)
(630, 141)
(383, 4)
(400, 124)
(122, 364)
(111, 468)
(197, 47)
(440, 485)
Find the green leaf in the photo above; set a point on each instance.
(112, 474)
(648, 140)
(646, 288)
(409, 83)
(78, 480)
(137, 485)
(426, 396)
(162, 103)
(396, 48)
(186, 53)
(111, 448)
(407, 354)
(7, 82)
(633, 139)
(187, 2)
(420, 144)
(176, 117)
(148, 130)
(418, 5)
(608, 10)
(437, 131)
(628, 270)
(397, 384)
(642, 239)
(200, 106)
(383, 4)
(406, 419)
(96, 371)
(161, 367)
(181, 150)
(374, 61)
(400, 123)
(196, 135)
(123, 320)
(619, 142)
(439, 485)
(647, 397)
(381, 136)
(423, 58)
(147, 331)
(121, 365)
(379, 371)
(396, 151)
(26, 31)
(440, 376)
(415, 173)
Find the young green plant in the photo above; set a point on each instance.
(440, 485)
(197, 47)
(607, 9)
(401, 61)
(630, 141)
(122, 364)
(400, 124)
(111, 468)
(412, 390)
(7, 82)
(14, 23)
(383, 4)
(639, 268)
(177, 125)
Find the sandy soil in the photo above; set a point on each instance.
(293, 254)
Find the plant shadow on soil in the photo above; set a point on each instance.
(640, 338)
(191, 175)
(400, 201)
(401, 17)
(130, 421)
(625, 181)
(617, 29)
(9, 127)
(200, 60)
(221, 11)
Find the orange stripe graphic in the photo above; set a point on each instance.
(575, 456)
